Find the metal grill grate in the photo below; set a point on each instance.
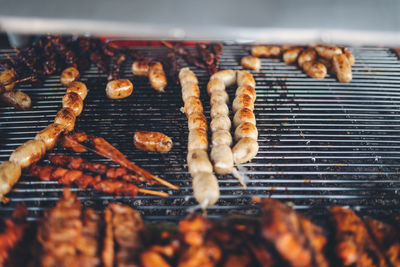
(321, 142)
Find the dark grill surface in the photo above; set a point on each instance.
(321, 142)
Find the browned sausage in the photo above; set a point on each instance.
(69, 75)
(152, 141)
(214, 85)
(244, 78)
(246, 90)
(28, 153)
(66, 118)
(50, 135)
(307, 55)
(265, 51)
(227, 76)
(290, 56)
(157, 77)
(189, 90)
(197, 120)
(118, 89)
(328, 51)
(242, 101)
(244, 115)
(140, 68)
(349, 56)
(342, 67)
(315, 69)
(74, 102)
(252, 63)
(245, 150)
(79, 88)
(9, 175)
(17, 99)
(6, 77)
(192, 105)
(246, 129)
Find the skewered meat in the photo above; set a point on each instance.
(116, 67)
(342, 68)
(243, 101)
(9, 175)
(7, 77)
(197, 160)
(208, 58)
(17, 99)
(290, 56)
(74, 102)
(152, 141)
(197, 139)
(69, 75)
(221, 137)
(327, 51)
(66, 117)
(252, 63)
(78, 88)
(118, 89)
(220, 123)
(222, 159)
(265, 51)
(246, 90)
(197, 120)
(244, 115)
(246, 129)
(50, 135)
(157, 77)
(28, 153)
(245, 150)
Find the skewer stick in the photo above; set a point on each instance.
(152, 192)
(166, 183)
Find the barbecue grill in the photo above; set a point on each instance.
(322, 142)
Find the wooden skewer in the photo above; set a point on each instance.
(166, 183)
(152, 192)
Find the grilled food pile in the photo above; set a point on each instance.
(68, 235)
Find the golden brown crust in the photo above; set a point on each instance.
(152, 141)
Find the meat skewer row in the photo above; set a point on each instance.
(69, 177)
(153, 70)
(205, 184)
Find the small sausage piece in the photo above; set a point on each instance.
(198, 161)
(74, 102)
(221, 137)
(227, 76)
(219, 109)
(328, 51)
(140, 68)
(78, 88)
(350, 56)
(187, 76)
(244, 115)
(205, 189)
(315, 70)
(197, 139)
(17, 99)
(220, 123)
(69, 75)
(118, 89)
(244, 78)
(342, 67)
(157, 77)
(252, 63)
(197, 120)
(192, 105)
(242, 101)
(290, 56)
(307, 55)
(50, 135)
(222, 159)
(219, 97)
(214, 85)
(6, 77)
(9, 175)
(246, 90)
(66, 118)
(245, 150)
(189, 90)
(152, 141)
(265, 51)
(327, 63)
(246, 129)
(28, 153)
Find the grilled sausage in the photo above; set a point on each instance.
(197, 120)
(6, 77)
(246, 90)
(190, 90)
(74, 102)
(220, 123)
(244, 78)
(28, 153)
(245, 150)
(246, 129)
(227, 76)
(222, 159)
(66, 118)
(9, 175)
(78, 88)
(192, 105)
(342, 67)
(50, 135)
(219, 109)
(219, 97)
(243, 101)
(197, 139)
(69, 75)
(252, 63)
(205, 189)
(307, 55)
(327, 51)
(244, 115)
(152, 141)
(265, 51)
(327, 63)
(290, 56)
(17, 99)
(118, 89)
(187, 76)
(198, 161)
(315, 70)
(140, 68)
(214, 85)
(221, 137)
(157, 77)
(350, 56)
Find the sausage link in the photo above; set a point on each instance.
(6, 77)
(50, 135)
(28, 153)
(198, 161)
(118, 89)
(140, 68)
(197, 139)
(252, 63)
(290, 56)
(220, 123)
(222, 159)
(187, 76)
(342, 67)
(265, 51)
(69, 75)
(245, 150)
(221, 137)
(78, 88)
(227, 76)
(350, 56)
(242, 101)
(190, 90)
(246, 129)
(152, 141)
(157, 77)
(17, 99)
(74, 102)
(307, 55)
(66, 118)
(244, 115)
(9, 175)
(205, 189)
(327, 51)
(197, 120)
(219, 97)
(192, 105)
(315, 70)
(244, 78)
(214, 85)
(219, 109)
(246, 90)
